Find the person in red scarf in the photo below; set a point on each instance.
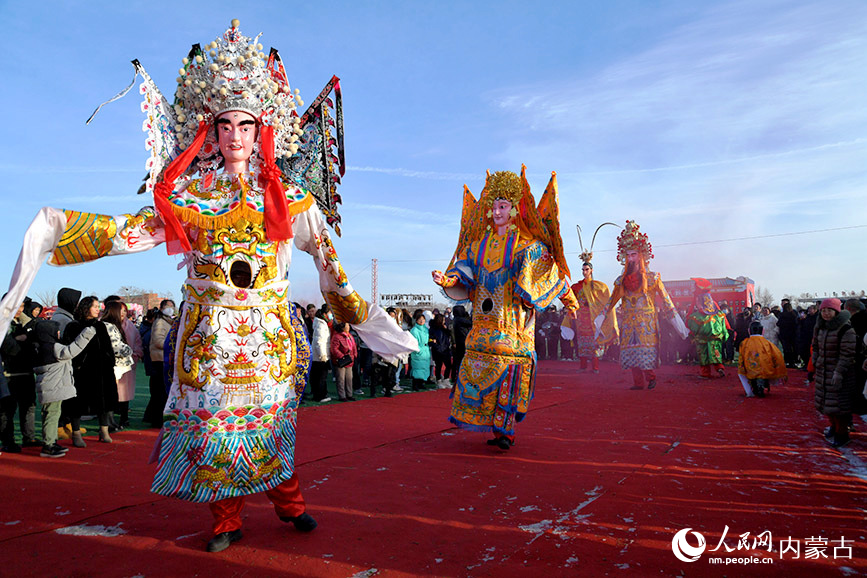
(639, 290)
(709, 329)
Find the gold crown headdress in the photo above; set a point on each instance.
(503, 185)
(541, 222)
(587, 256)
(631, 238)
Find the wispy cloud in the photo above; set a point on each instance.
(858, 142)
(413, 214)
(18, 169)
(411, 173)
(746, 78)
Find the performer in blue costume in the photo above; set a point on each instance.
(510, 264)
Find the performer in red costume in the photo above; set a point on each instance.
(592, 296)
(639, 290)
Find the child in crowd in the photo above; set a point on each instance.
(54, 382)
(759, 362)
(420, 359)
(343, 355)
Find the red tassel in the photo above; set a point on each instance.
(278, 221)
(176, 237)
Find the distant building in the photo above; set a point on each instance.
(407, 300)
(146, 300)
(738, 293)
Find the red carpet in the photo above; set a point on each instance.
(599, 481)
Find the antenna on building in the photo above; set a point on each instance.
(374, 289)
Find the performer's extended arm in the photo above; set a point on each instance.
(669, 311)
(571, 302)
(453, 286)
(616, 294)
(372, 323)
(71, 237)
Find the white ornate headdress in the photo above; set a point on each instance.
(232, 73)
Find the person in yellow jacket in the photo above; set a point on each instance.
(759, 363)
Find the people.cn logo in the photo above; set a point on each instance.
(683, 550)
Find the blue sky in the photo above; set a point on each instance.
(700, 120)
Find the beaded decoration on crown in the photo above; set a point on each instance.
(503, 185)
(232, 73)
(631, 238)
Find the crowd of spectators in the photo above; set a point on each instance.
(81, 362)
(338, 351)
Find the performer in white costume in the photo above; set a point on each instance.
(241, 356)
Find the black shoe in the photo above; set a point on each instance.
(829, 433)
(839, 443)
(504, 443)
(651, 384)
(303, 523)
(12, 448)
(721, 372)
(223, 540)
(32, 444)
(52, 451)
(350, 399)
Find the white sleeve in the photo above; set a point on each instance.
(373, 324)
(746, 385)
(40, 240)
(71, 237)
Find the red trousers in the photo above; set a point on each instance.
(705, 370)
(595, 362)
(639, 375)
(286, 498)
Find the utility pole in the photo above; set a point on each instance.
(374, 289)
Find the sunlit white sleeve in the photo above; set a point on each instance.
(746, 385)
(375, 327)
(71, 237)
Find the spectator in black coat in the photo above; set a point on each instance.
(742, 327)
(461, 325)
(805, 333)
(729, 345)
(441, 350)
(19, 352)
(859, 324)
(93, 368)
(787, 323)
